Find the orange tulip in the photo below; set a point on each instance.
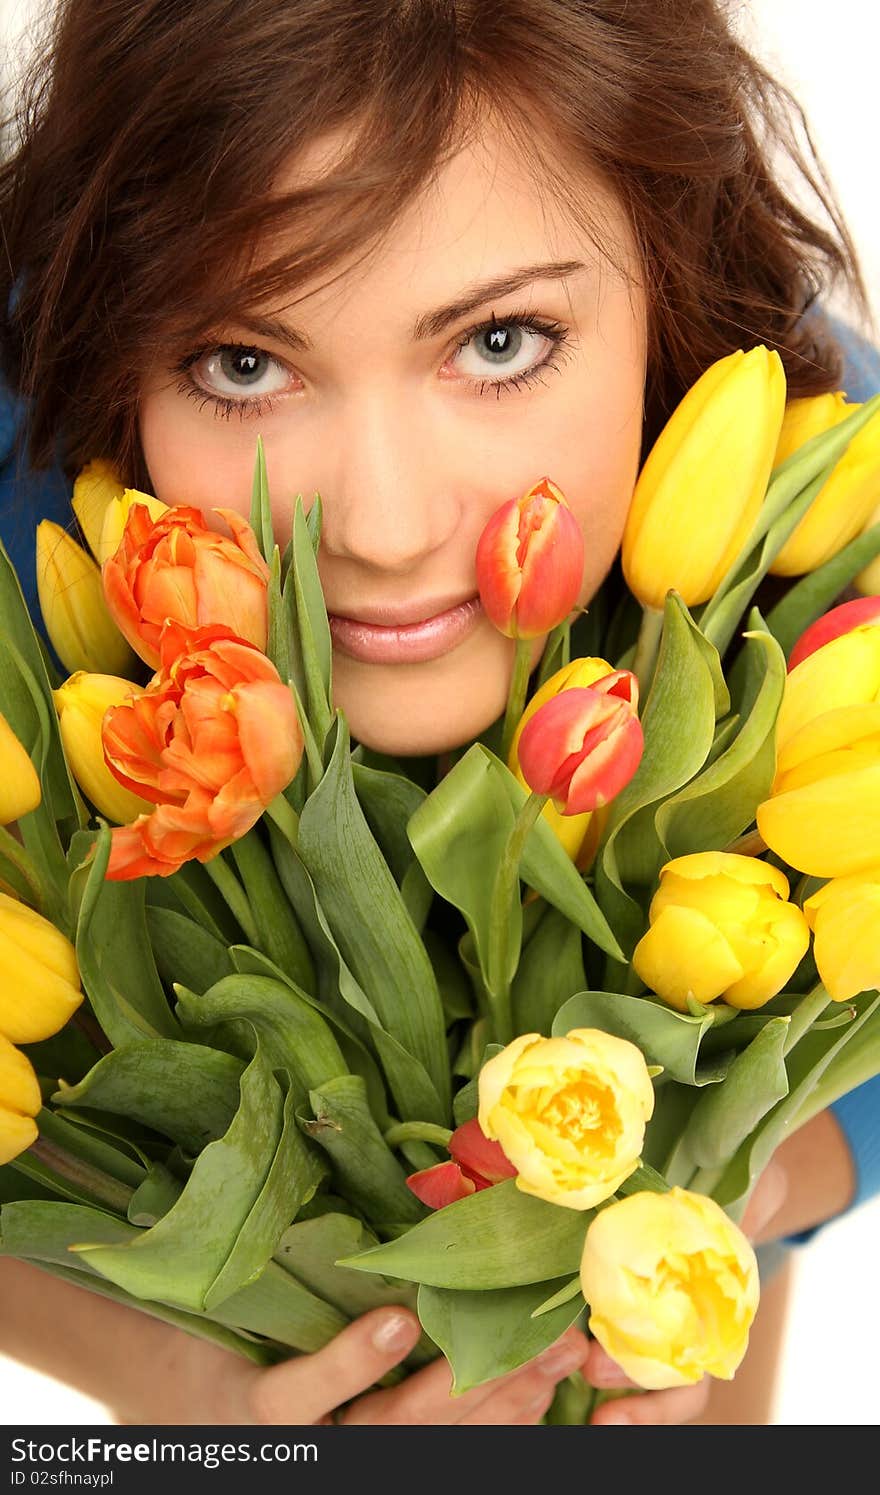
(211, 742)
(583, 746)
(177, 569)
(530, 563)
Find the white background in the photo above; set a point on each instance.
(829, 60)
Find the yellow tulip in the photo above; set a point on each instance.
(570, 830)
(844, 672)
(39, 977)
(672, 1286)
(824, 813)
(721, 926)
(845, 501)
(703, 483)
(844, 916)
(19, 785)
(569, 1113)
(116, 517)
(81, 703)
(79, 626)
(20, 1101)
(96, 486)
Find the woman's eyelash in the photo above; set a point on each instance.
(224, 407)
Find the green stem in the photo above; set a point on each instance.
(103, 1189)
(230, 889)
(516, 696)
(504, 891)
(647, 649)
(805, 1015)
(417, 1131)
(282, 814)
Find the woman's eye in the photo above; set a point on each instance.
(233, 371)
(507, 349)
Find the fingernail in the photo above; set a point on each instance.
(560, 1360)
(396, 1332)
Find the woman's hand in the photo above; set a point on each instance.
(311, 1388)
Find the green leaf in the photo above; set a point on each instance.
(683, 690)
(157, 1194)
(806, 1065)
(370, 923)
(311, 644)
(389, 801)
(489, 1334)
(187, 1093)
(726, 1114)
(182, 1257)
(185, 951)
(816, 592)
(664, 1035)
(294, 1174)
(279, 1307)
(498, 1237)
(115, 955)
(279, 933)
(551, 969)
(720, 802)
(86, 1147)
(364, 1167)
(260, 518)
(310, 1250)
(293, 1032)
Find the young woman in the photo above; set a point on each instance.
(429, 250)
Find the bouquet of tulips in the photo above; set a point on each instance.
(289, 1029)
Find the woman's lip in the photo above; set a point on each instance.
(405, 643)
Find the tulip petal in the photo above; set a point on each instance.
(684, 955)
(441, 1185)
(829, 828)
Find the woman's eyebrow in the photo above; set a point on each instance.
(434, 322)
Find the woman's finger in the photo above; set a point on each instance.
(306, 1389)
(603, 1372)
(425, 1399)
(654, 1408)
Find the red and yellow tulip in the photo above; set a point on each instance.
(530, 563)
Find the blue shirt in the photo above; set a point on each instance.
(27, 496)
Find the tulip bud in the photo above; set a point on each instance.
(846, 499)
(116, 518)
(844, 916)
(861, 613)
(20, 1101)
(95, 488)
(176, 569)
(584, 745)
(39, 977)
(20, 790)
(475, 1163)
(672, 1286)
(704, 480)
(75, 615)
(570, 830)
(530, 563)
(81, 703)
(720, 927)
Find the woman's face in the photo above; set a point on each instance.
(416, 399)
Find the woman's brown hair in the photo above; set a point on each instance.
(152, 133)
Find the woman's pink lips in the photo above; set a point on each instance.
(405, 643)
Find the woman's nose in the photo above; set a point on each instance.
(390, 496)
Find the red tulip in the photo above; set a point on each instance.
(476, 1163)
(213, 739)
(843, 619)
(178, 569)
(585, 744)
(530, 563)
